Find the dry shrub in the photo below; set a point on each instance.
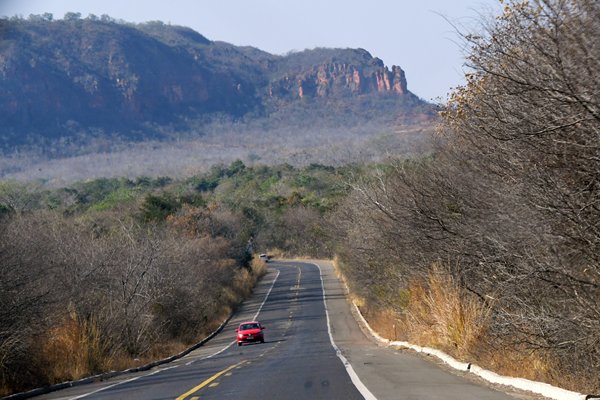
(520, 362)
(163, 350)
(73, 349)
(243, 282)
(121, 360)
(241, 287)
(229, 295)
(245, 279)
(259, 267)
(384, 322)
(152, 289)
(278, 253)
(441, 315)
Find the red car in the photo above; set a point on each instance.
(251, 331)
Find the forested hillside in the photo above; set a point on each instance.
(84, 79)
(96, 97)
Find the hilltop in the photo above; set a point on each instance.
(78, 79)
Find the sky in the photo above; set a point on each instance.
(417, 35)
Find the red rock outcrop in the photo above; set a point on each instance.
(340, 79)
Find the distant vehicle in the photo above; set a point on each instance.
(249, 332)
(264, 257)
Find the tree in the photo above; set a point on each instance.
(72, 16)
(510, 201)
(18, 197)
(157, 208)
(531, 111)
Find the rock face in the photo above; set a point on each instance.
(60, 76)
(107, 75)
(340, 80)
(338, 72)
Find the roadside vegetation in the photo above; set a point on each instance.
(111, 273)
(486, 246)
(489, 248)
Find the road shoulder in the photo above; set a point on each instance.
(392, 373)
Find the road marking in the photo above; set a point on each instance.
(355, 379)
(209, 380)
(238, 365)
(253, 318)
(104, 388)
(115, 384)
(188, 363)
(267, 296)
(214, 384)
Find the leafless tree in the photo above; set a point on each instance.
(510, 199)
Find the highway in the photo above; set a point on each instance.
(314, 349)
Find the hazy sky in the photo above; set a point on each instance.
(414, 34)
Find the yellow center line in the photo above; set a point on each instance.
(209, 380)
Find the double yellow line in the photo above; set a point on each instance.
(209, 380)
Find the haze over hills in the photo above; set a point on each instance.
(67, 85)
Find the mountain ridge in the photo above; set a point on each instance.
(59, 78)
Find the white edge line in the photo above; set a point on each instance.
(366, 393)
(254, 318)
(203, 358)
(108, 387)
(267, 295)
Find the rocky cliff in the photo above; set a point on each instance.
(341, 78)
(61, 77)
(108, 75)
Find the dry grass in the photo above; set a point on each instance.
(441, 315)
(259, 267)
(245, 280)
(522, 363)
(385, 323)
(73, 349)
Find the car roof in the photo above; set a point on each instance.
(249, 322)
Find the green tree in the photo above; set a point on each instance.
(158, 208)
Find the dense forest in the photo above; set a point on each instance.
(485, 245)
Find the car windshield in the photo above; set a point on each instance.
(245, 327)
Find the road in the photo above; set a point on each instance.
(298, 359)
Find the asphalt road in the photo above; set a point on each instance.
(309, 353)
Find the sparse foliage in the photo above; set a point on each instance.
(510, 201)
(108, 270)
